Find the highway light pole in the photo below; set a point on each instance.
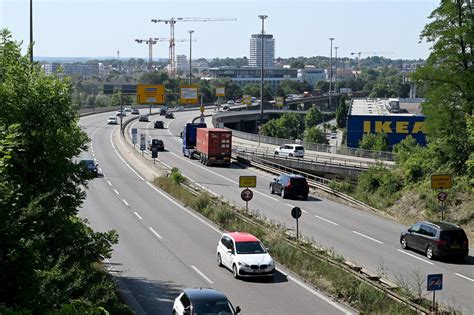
(262, 17)
(31, 30)
(190, 50)
(335, 72)
(330, 74)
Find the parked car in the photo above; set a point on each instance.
(128, 108)
(159, 124)
(203, 301)
(169, 115)
(112, 120)
(156, 143)
(245, 255)
(290, 185)
(90, 167)
(135, 111)
(179, 108)
(143, 118)
(291, 150)
(436, 239)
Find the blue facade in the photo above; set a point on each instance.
(396, 127)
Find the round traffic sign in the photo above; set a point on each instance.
(246, 194)
(296, 212)
(442, 196)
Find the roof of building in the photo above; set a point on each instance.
(385, 107)
(243, 237)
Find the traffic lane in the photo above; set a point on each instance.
(165, 225)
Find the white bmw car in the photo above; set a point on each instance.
(245, 255)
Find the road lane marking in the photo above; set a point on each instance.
(426, 261)
(304, 211)
(154, 232)
(108, 182)
(116, 191)
(202, 274)
(125, 202)
(93, 154)
(321, 296)
(368, 237)
(121, 158)
(100, 170)
(462, 276)
(137, 215)
(329, 221)
(290, 205)
(166, 164)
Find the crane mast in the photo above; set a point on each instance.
(150, 42)
(172, 42)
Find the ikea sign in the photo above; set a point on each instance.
(396, 128)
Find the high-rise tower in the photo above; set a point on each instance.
(256, 51)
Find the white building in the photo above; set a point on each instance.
(256, 51)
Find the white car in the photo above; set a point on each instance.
(291, 150)
(179, 108)
(245, 255)
(127, 109)
(112, 120)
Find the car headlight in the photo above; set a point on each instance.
(272, 263)
(243, 264)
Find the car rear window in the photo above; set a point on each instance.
(299, 148)
(453, 236)
(298, 181)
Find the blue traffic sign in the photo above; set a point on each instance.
(435, 282)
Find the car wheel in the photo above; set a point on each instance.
(235, 272)
(403, 243)
(271, 189)
(275, 153)
(219, 260)
(290, 155)
(429, 252)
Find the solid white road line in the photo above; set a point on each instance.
(121, 158)
(462, 276)
(116, 191)
(426, 261)
(108, 182)
(125, 202)
(137, 215)
(329, 221)
(290, 205)
(154, 232)
(321, 296)
(165, 164)
(368, 237)
(201, 274)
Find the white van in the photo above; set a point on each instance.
(291, 150)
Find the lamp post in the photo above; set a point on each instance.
(335, 72)
(31, 30)
(190, 50)
(262, 17)
(330, 74)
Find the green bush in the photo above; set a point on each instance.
(176, 176)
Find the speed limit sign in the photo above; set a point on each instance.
(442, 196)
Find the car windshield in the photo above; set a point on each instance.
(112, 117)
(299, 148)
(211, 307)
(453, 236)
(249, 248)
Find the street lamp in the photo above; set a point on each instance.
(335, 72)
(190, 45)
(330, 74)
(31, 30)
(262, 17)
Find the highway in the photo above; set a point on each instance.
(364, 238)
(164, 247)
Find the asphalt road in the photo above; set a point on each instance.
(365, 238)
(164, 247)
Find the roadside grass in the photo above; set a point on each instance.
(337, 282)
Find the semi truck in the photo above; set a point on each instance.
(189, 138)
(214, 146)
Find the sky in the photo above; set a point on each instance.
(98, 28)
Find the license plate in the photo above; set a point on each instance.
(455, 246)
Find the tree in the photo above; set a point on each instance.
(374, 142)
(47, 253)
(322, 85)
(341, 113)
(448, 76)
(153, 77)
(315, 135)
(313, 117)
(288, 126)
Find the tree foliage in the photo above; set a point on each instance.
(313, 117)
(341, 113)
(47, 253)
(375, 142)
(289, 125)
(315, 135)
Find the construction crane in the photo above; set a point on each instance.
(368, 53)
(172, 21)
(152, 41)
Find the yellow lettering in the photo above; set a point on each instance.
(383, 126)
(419, 126)
(402, 126)
(366, 126)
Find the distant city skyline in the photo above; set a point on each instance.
(97, 29)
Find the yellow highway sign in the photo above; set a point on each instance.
(441, 181)
(151, 94)
(247, 181)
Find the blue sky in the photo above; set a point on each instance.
(98, 28)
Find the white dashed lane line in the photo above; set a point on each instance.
(462, 276)
(108, 182)
(116, 191)
(137, 215)
(125, 202)
(426, 261)
(154, 232)
(329, 221)
(367, 237)
(202, 274)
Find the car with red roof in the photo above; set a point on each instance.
(245, 255)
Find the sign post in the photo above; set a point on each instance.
(154, 153)
(142, 142)
(246, 196)
(441, 181)
(296, 214)
(247, 99)
(435, 283)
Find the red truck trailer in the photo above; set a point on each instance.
(214, 146)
